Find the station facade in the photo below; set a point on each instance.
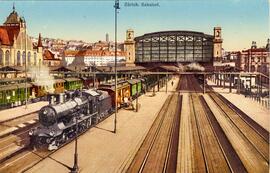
(174, 47)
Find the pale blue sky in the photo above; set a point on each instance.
(242, 21)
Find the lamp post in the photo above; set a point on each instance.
(75, 168)
(25, 68)
(116, 7)
(94, 70)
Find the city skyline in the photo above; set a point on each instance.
(241, 21)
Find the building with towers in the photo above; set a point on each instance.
(255, 59)
(129, 48)
(217, 41)
(16, 47)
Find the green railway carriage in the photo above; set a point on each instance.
(135, 87)
(14, 94)
(73, 83)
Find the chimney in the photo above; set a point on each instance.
(61, 98)
(253, 45)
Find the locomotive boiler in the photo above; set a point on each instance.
(68, 114)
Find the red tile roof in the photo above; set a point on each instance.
(48, 55)
(7, 34)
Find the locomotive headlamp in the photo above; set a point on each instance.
(45, 112)
(31, 132)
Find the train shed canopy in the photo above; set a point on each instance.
(174, 46)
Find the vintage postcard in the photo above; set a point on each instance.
(152, 86)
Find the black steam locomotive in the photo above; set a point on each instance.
(67, 112)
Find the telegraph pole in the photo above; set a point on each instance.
(116, 7)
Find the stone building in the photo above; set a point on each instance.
(129, 47)
(255, 59)
(16, 47)
(93, 57)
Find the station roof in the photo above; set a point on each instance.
(12, 68)
(14, 86)
(61, 69)
(120, 68)
(174, 33)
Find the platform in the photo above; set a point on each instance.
(100, 150)
(16, 112)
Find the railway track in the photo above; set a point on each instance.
(17, 140)
(250, 146)
(158, 152)
(200, 149)
(15, 125)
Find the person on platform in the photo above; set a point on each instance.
(126, 101)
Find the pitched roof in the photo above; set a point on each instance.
(7, 34)
(48, 55)
(14, 18)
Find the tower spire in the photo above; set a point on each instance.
(39, 41)
(13, 7)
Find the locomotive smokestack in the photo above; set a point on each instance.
(61, 98)
(51, 101)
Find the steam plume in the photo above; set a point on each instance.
(41, 77)
(195, 67)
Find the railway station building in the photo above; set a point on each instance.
(16, 47)
(174, 47)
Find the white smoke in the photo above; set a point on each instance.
(180, 67)
(41, 77)
(194, 67)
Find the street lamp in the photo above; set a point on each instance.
(75, 168)
(25, 67)
(116, 7)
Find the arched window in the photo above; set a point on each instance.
(29, 58)
(18, 58)
(7, 57)
(23, 58)
(1, 57)
(35, 58)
